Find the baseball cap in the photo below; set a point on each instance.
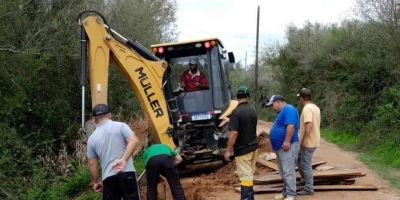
(273, 98)
(304, 92)
(243, 91)
(100, 109)
(193, 62)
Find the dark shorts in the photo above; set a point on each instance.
(123, 185)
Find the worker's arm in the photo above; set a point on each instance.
(120, 164)
(182, 83)
(234, 131)
(178, 159)
(94, 171)
(307, 131)
(288, 137)
(307, 119)
(203, 81)
(291, 119)
(229, 149)
(224, 120)
(130, 147)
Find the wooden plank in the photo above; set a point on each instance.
(317, 164)
(317, 188)
(334, 174)
(324, 168)
(314, 165)
(345, 188)
(272, 185)
(316, 182)
(268, 156)
(267, 163)
(334, 181)
(263, 189)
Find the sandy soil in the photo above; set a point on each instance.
(220, 184)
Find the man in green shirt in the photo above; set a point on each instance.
(162, 160)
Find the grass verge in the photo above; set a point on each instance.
(382, 157)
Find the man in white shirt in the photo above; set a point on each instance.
(113, 143)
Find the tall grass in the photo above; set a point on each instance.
(383, 157)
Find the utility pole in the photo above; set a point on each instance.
(245, 62)
(256, 63)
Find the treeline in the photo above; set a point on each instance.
(40, 92)
(353, 68)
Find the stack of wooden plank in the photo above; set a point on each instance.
(324, 180)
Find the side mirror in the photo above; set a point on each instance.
(231, 57)
(223, 56)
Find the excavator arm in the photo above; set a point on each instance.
(144, 72)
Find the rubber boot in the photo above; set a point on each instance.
(246, 193)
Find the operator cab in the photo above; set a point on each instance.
(202, 93)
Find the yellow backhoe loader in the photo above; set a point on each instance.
(185, 120)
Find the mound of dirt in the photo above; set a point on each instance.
(207, 186)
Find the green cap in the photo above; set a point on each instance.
(243, 91)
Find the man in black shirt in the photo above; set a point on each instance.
(243, 142)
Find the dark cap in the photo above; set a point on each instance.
(100, 109)
(273, 98)
(193, 61)
(304, 92)
(243, 92)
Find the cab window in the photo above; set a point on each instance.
(191, 73)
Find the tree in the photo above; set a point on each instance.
(39, 68)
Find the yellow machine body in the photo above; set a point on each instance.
(145, 76)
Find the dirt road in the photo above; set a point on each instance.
(220, 184)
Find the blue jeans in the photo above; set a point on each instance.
(305, 168)
(287, 162)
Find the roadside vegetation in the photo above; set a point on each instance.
(353, 67)
(42, 150)
(383, 158)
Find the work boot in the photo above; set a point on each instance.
(246, 193)
(289, 198)
(216, 152)
(279, 197)
(305, 192)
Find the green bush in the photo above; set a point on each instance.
(74, 185)
(40, 89)
(385, 125)
(348, 67)
(45, 185)
(15, 162)
(41, 187)
(90, 196)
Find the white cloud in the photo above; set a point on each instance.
(234, 21)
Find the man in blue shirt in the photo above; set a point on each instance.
(285, 142)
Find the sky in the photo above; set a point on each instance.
(234, 21)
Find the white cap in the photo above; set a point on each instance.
(274, 98)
